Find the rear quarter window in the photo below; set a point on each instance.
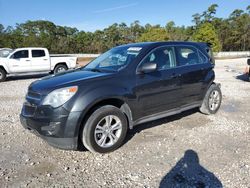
(187, 55)
(38, 53)
(203, 58)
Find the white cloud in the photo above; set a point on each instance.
(115, 8)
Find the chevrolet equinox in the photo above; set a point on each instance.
(128, 85)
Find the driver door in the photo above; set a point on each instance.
(20, 62)
(159, 91)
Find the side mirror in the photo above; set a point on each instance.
(148, 67)
(248, 61)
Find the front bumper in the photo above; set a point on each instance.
(56, 126)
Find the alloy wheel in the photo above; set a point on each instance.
(108, 131)
(214, 100)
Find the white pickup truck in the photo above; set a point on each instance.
(33, 60)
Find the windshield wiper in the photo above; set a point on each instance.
(98, 70)
(95, 70)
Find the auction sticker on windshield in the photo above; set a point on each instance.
(136, 49)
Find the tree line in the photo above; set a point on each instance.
(225, 34)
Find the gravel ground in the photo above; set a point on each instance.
(185, 150)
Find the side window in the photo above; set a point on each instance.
(20, 54)
(38, 53)
(163, 57)
(187, 55)
(203, 58)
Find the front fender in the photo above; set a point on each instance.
(4, 66)
(86, 100)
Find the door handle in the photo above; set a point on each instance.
(175, 75)
(27, 60)
(45, 59)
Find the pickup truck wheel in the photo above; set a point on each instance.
(60, 68)
(105, 130)
(2, 75)
(212, 101)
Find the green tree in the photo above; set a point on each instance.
(136, 30)
(238, 27)
(1, 35)
(176, 33)
(196, 19)
(231, 33)
(210, 12)
(154, 34)
(207, 33)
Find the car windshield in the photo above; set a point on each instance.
(5, 52)
(114, 59)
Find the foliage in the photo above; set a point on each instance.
(153, 34)
(207, 33)
(176, 33)
(228, 34)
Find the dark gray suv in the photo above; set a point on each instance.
(128, 85)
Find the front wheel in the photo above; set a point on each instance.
(212, 100)
(2, 75)
(105, 130)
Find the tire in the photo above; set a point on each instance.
(96, 137)
(60, 68)
(2, 75)
(212, 100)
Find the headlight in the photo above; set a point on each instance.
(60, 96)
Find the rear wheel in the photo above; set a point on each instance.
(105, 130)
(60, 68)
(2, 75)
(212, 101)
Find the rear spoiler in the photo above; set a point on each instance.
(209, 44)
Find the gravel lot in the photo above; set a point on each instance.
(185, 150)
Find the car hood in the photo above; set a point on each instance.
(65, 79)
(2, 59)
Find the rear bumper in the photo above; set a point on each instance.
(58, 131)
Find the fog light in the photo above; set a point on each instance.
(52, 129)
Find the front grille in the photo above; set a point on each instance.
(29, 109)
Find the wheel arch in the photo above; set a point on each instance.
(60, 63)
(2, 67)
(208, 81)
(114, 101)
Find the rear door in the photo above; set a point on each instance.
(158, 91)
(20, 62)
(40, 61)
(193, 67)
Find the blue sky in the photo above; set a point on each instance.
(90, 15)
